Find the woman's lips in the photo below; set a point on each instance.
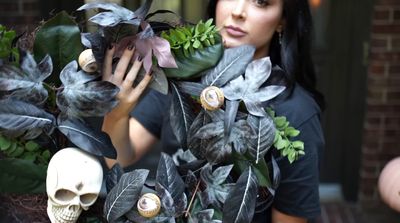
(235, 31)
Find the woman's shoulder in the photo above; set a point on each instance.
(298, 107)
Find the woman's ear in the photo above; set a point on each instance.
(281, 26)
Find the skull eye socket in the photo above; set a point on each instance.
(88, 199)
(64, 195)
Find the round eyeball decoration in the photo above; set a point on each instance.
(389, 184)
(87, 61)
(149, 205)
(212, 98)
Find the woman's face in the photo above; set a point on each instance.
(251, 22)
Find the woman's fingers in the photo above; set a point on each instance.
(123, 64)
(132, 74)
(142, 85)
(107, 65)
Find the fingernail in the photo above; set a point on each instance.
(139, 58)
(150, 72)
(110, 46)
(131, 47)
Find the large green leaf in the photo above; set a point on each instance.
(60, 38)
(22, 176)
(196, 63)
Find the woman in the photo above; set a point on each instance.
(277, 28)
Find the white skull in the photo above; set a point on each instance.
(73, 183)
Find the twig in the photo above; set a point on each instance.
(191, 200)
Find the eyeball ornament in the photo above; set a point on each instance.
(87, 62)
(149, 205)
(212, 98)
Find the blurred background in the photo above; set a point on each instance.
(356, 50)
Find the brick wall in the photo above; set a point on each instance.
(20, 15)
(382, 121)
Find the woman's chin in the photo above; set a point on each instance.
(229, 43)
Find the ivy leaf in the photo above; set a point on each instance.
(18, 118)
(114, 15)
(86, 138)
(216, 189)
(26, 84)
(70, 75)
(181, 115)
(197, 145)
(241, 200)
(134, 216)
(219, 147)
(168, 177)
(248, 88)
(97, 43)
(125, 194)
(83, 97)
(113, 176)
(203, 216)
(263, 139)
(172, 207)
(232, 64)
(181, 157)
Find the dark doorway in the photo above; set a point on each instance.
(341, 52)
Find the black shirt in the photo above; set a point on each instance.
(297, 194)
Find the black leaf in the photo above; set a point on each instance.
(26, 84)
(125, 194)
(97, 43)
(181, 115)
(86, 138)
(115, 14)
(263, 138)
(241, 201)
(232, 64)
(197, 146)
(84, 97)
(18, 118)
(168, 177)
(216, 187)
(191, 88)
(248, 87)
(113, 176)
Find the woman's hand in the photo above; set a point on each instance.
(117, 123)
(128, 95)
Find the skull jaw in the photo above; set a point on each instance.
(61, 214)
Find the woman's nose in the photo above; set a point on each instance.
(239, 10)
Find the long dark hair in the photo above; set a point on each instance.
(293, 54)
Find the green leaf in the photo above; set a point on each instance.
(298, 145)
(60, 38)
(12, 148)
(209, 22)
(292, 132)
(280, 122)
(241, 163)
(17, 152)
(280, 144)
(4, 143)
(31, 146)
(292, 156)
(22, 176)
(196, 44)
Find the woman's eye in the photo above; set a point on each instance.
(261, 3)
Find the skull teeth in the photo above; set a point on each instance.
(63, 215)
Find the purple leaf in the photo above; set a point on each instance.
(162, 51)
